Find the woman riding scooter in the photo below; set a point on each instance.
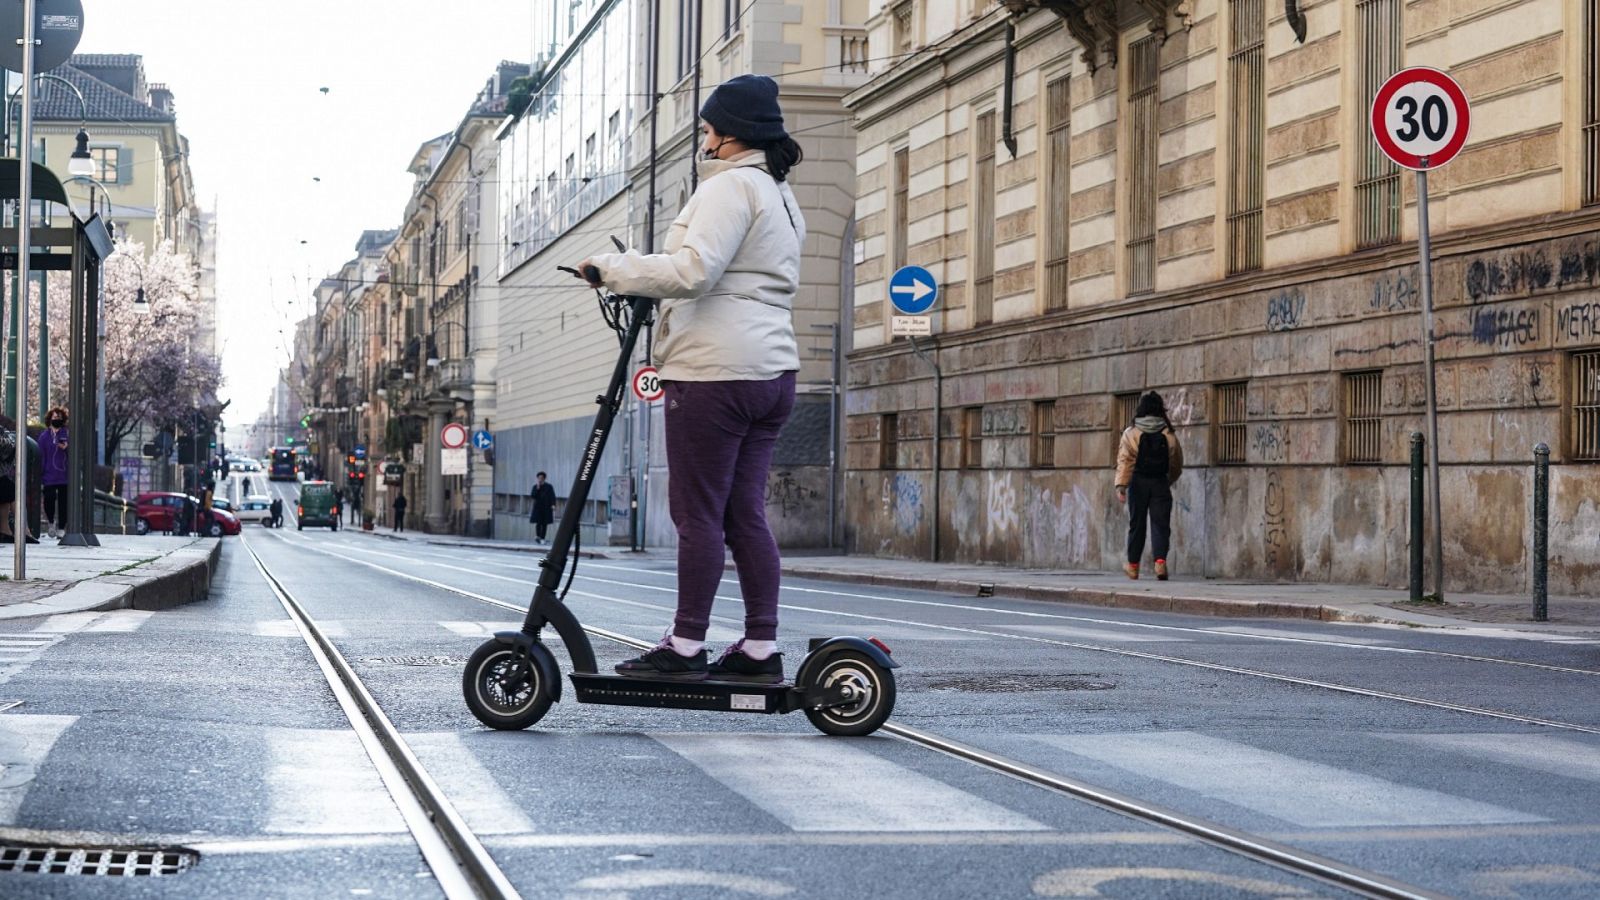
(726, 351)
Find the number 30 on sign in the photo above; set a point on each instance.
(647, 384)
(1420, 118)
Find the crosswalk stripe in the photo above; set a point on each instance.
(470, 787)
(121, 620)
(66, 622)
(802, 782)
(322, 782)
(1308, 794)
(25, 741)
(479, 629)
(1566, 757)
(286, 628)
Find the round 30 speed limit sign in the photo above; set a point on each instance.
(1420, 118)
(647, 384)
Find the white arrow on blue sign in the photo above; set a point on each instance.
(913, 290)
(483, 440)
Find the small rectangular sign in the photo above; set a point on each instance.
(911, 326)
(453, 461)
(749, 702)
(60, 23)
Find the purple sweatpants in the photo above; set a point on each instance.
(720, 436)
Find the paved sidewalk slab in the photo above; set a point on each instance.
(124, 572)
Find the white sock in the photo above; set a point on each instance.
(759, 650)
(686, 647)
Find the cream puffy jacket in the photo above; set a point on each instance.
(727, 280)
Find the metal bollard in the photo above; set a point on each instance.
(1541, 532)
(1416, 516)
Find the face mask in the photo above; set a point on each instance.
(708, 155)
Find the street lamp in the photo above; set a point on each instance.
(80, 163)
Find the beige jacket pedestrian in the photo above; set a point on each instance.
(1128, 449)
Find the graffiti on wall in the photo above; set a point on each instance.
(1579, 321)
(1505, 327)
(1286, 310)
(1270, 441)
(789, 495)
(902, 502)
(1060, 526)
(1004, 420)
(1002, 507)
(1580, 264)
(1274, 532)
(1395, 291)
(1519, 273)
(1181, 409)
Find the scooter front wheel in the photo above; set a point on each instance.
(505, 690)
(872, 690)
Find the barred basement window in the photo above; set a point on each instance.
(1246, 150)
(1122, 407)
(1363, 417)
(1044, 434)
(1058, 191)
(981, 226)
(1378, 179)
(889, 441)
(1143, 94)
(1583, 437)
(1591, 102)
(972, 437)
(1230, 413)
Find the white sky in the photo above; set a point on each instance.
(246, 77)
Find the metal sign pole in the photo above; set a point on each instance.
(1425, 251)
(19, 525)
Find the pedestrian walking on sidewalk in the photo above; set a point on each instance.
(1149, 461)
(544, 506)
(727, 355)
(53, 450)
(399, 511)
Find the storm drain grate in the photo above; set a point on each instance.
(419, 660)
(113, 861)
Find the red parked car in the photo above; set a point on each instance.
(157, 510)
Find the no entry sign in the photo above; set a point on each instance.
(1420, 118)
(453, 436)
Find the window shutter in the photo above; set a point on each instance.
(124, 165)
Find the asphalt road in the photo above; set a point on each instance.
(211, 727)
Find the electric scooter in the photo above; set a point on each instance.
(845, 685)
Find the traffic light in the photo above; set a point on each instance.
(291, 441)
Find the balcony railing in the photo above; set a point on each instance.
(455, 374)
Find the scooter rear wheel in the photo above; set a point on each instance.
(873, 687)
(504, 691)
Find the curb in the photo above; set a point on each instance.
(180, 577)
(1194, 606)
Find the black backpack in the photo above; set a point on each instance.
(1154, 458)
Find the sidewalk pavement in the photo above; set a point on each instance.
(1569, 616)
(124, 572)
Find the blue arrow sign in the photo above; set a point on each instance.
(483, 440)
(912, 290)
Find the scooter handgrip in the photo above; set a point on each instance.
(591, 274)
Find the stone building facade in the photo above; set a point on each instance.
(1193, 204)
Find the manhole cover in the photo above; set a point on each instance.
(418, 660)
(118, 862)
(1017, 684)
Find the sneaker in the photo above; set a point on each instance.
(735, 665)
(666, 663)
(1161, 570)
(1131, 570)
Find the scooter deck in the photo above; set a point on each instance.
(711, 696)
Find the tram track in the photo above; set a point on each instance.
(1244, 844)
(459, 862)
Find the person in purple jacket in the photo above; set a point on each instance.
(53, 448)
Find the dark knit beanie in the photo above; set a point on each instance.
(746, 107)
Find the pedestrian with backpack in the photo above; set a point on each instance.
(1149, 461)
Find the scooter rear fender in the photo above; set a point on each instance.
(524, 642)
(821, 650)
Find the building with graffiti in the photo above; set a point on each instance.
(1185, 197)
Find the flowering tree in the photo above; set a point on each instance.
(152, 373)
